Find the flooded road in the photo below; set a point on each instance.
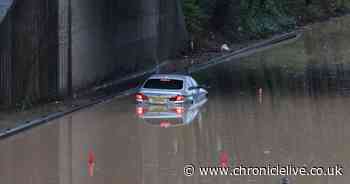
(286, 105)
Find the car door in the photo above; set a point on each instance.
(200, 92)
(191, 93)
(195, 91)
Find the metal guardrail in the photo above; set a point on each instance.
(233, 55)
(263, 45)
(36, 122)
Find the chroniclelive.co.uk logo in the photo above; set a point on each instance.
(269, 170)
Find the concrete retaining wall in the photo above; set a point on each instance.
(28, 51)
(50, 48)
(116, 38)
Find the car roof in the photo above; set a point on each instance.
(170, 76)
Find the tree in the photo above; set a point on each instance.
(193, 16)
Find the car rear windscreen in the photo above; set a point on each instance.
(170, 84)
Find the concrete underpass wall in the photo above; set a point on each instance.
(113, 38)
(28, 52)
(51, 47)
(5, 62)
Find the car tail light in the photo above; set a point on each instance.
(177, 98)
(179, 110)
(141, 97)
(140, 111)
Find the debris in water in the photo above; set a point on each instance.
(224, 159)
(225, 47)
(91, 163)
(260, 95)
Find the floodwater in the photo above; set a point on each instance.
(286, 105)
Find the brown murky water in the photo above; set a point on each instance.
(287, 105)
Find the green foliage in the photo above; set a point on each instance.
(260, 20)
(248, 19)
(193, 16)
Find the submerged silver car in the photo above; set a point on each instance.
(170, 89)
(165, 116)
